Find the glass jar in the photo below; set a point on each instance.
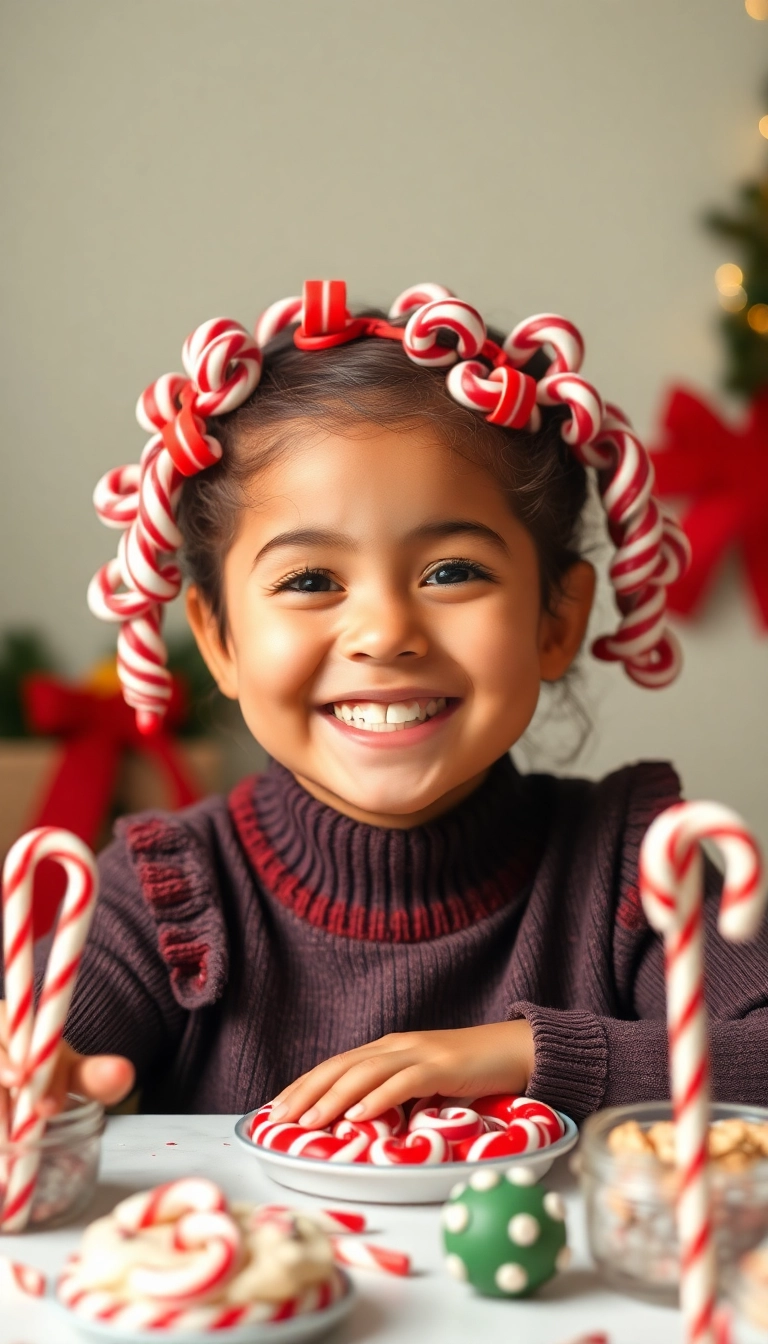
(630, 1204)
(68, 1153)
(747, 1293)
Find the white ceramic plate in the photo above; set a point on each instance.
(310, 1326)
(390, 1185)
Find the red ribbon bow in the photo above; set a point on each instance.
(723, 472)
(97, 729)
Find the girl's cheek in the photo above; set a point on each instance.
(280, 655)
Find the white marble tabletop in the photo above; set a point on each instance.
(141, 1151)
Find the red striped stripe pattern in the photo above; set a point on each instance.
(671, 878)
(34, 1037)
(103, 1305)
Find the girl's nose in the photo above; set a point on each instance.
(383, 627)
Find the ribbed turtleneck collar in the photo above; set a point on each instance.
(391, 885)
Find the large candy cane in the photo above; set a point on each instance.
(33, 1042)
(671, 888)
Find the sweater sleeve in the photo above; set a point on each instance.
(123, 1003)
(586, 1060)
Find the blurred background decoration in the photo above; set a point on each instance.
(720, 469)
(168, 160)
(70, 754)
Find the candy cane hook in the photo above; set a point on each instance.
(33, 1040)
(671, 889)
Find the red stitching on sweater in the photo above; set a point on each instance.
(355, 921)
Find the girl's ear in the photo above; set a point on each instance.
(562, 629)
(218, 658)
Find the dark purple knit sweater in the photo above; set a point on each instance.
(240, 942)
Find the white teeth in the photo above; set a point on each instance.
(404, 713)
(378, 718)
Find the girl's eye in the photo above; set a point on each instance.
(309, 581)
(450, 572)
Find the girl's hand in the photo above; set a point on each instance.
(468, 1062)
(104, 1078)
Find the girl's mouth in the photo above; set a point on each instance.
(397, 717)
(379, 722)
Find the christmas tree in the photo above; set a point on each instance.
(743, 287)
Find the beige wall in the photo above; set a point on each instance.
(167, 160)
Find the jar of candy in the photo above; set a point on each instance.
(629, 1182)
(745, 1318)
(67, 1158)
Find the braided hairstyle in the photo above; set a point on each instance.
(516, 407)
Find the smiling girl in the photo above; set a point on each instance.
(384, 569)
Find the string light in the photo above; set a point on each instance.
(728, 278)
(733, 303)
(756, 9)
(757, 318)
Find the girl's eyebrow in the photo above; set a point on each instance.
(306, 536)
(441, 527)
(451, 527)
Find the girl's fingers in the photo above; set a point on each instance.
(357, 1082)
(300, 1094)
(294, 1100)
(105, 1078)
(412, 1081)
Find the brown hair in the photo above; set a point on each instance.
(375, 381)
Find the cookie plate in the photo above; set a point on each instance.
(390, 1185)
(309, 1326)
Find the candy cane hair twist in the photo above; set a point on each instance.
(222, 364)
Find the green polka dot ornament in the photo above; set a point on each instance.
(503, 1233)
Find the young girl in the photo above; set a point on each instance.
(385, 568)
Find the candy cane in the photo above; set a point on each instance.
(216, 1237)
(671, 888)
(338, 1221)
(364, 1255)
(40, 1046)
(17, 1280)
(165, 1203)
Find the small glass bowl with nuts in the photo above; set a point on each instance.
(629, 1182)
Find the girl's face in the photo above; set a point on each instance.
(386, 637)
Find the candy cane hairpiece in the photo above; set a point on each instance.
(223, 364)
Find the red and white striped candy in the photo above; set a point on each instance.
(420, 338)
(224, 363)
(17, 1280)
(582, 401)
(527, 1108)
(34, 1039)
(276, 317)
(504, 396)
(522, 1136)
(129, 1316)
(364, 1255)
(216, 1237)
(416, 297)
(453, 1122)
(296, 1141)
(546, 330)
(338, 1221)
(166, 1203)
(671, 889)
(423, 1147)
